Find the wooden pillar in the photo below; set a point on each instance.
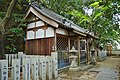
(68, 41)
(78, 41)
(88, 53)
(55, 41)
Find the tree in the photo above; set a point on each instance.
(14, 21)
(104, 20)
(3, 24)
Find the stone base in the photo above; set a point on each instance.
(74, 69)
(88, 63)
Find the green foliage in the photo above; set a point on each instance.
(102, 20)
(13, 39)
(95, 4)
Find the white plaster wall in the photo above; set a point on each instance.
(62, 31)
(40, 33)
(39, 23)
(30, 35)
(50, 32)
(31, 25)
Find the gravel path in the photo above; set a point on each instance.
(105, 70)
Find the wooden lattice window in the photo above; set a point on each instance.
(62, 42)
(82, 45)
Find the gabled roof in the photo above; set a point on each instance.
(58, 18)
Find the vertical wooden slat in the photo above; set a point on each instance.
(32, 48)
(40, 52)
(40, 46)
(49, 48)
(26, 47)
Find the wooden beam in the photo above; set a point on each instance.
(78, 41)
(80, 33)
(28, 12)
(45, 19)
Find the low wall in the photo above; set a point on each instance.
(115, 52)
(102, 54)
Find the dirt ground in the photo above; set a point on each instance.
(111, 62)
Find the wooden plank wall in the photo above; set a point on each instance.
(40, 46)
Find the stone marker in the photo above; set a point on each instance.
(30, 57)
(20, 56)
(42, 68)
(49, 67)
(3, 69)
(34, 68)
(15, 55)
(10, 59)
(6, 56)
(55, 64)
(26, 69)
(12, 56)
(15, 69)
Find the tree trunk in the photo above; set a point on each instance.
(2, 27)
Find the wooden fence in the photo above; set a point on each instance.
(29, 67)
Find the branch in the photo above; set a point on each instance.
(9, 10)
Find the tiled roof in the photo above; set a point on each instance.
(58, 18)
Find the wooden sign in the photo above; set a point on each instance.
(26, 69)
(15, 69)
(3, 69)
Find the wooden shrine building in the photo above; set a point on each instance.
(48, 32)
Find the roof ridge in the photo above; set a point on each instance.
(57, 17)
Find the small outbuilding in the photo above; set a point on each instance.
(48, 32)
